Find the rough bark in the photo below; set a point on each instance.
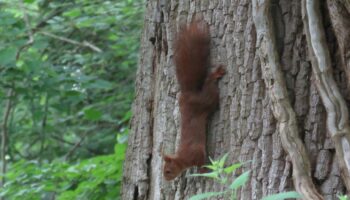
(339, 12)
(246, 125)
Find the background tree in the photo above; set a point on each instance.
(283, 102)
(67, 70)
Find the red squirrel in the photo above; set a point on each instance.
(199, 97)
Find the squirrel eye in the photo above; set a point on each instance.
(167, 171)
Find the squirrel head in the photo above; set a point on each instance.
(172, 168)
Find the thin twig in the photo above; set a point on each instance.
(62, 140)
(72, 144)
(43, 22)
(75, 147)
(83, 44)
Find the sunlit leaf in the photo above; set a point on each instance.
(212, 167)
(213, 174)
(223, 160)
(120, 150)
(240, 181)
(73, 13)
(232, 168)
(206, 195)
(343, 197)
(126, 117)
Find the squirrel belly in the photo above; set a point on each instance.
(199, 97)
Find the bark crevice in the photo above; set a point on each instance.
(341, 24)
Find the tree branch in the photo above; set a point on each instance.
(337, 111)
(61, 140)
(71, 151)
(72, 144)
(83, 44)
(281, 106)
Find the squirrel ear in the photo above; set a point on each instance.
(167, 158)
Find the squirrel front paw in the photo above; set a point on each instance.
(219, 72)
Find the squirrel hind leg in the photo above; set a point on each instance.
(208, 98)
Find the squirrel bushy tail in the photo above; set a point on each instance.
(192, 52)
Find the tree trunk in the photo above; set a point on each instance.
(270, 112)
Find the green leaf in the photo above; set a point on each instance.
(126, 117)
(29, 1)
(7, 20)
(92, 114)
(283, 195)
(120, 151)
(214, 175)
(223, 160)
(73, 13)
(123, 137)
(343, 197)
(212, 167)
(100, 84)
(8, 56)
(232, 168)
(72, 93)
(240, 181)
(205, 195)
(215, 163)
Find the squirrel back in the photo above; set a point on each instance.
(199, 97)
(192, 52)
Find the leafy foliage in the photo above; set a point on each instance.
(223, 174)
(70, 66)
(343, 197)
(95, 178)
